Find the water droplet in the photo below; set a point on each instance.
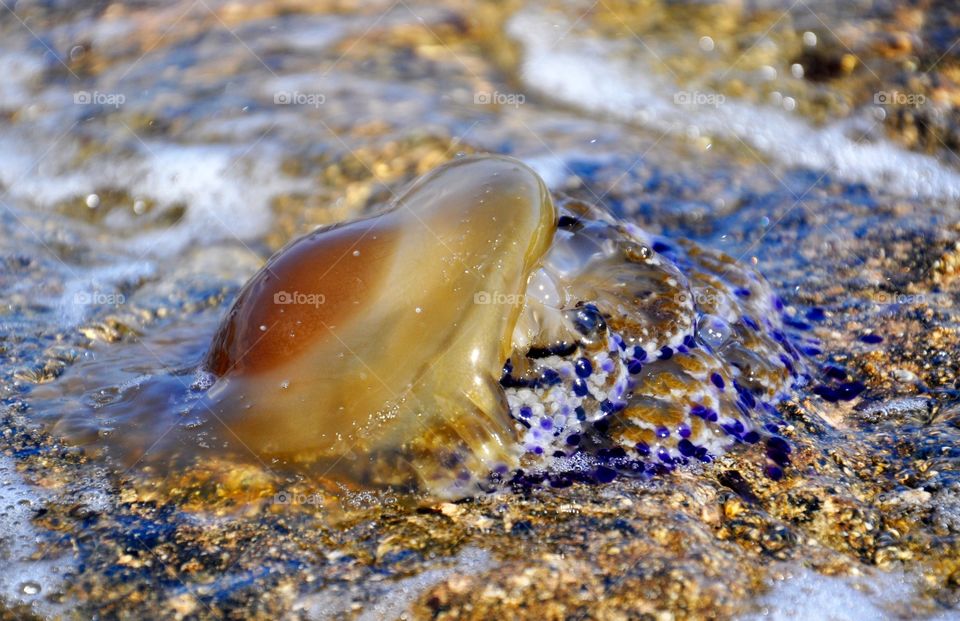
(706, 44)
(714, 331)
(30, 588)
(93, 201)
(809, 39)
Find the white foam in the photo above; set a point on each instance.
(87, 289)
(226, 189)
(598, 76)
(808, 595)
(24, 580)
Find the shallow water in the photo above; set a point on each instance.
(152, 156)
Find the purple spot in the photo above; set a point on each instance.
(773, 472)
(849, 390)
(816, 314)
(604, 474)
(580, 388)
(686, 448)
(717, 380)
(666, 353)
(742, 292)
(730, 429)
(573, 439)
(663, 432)
(871, 339)
(826, 393)
(684, 431)
(779, 458)
(835, 372)
(640, 353)
(797, 325)
(550, 377)
(583, 368)
(779, 443)
(788, 365)
(546, 423)
(634, 366)
(778, 451)
(643, 448)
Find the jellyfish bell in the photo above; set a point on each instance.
(387, 335)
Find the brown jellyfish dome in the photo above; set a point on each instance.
(389, 333)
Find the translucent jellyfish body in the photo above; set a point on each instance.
(368, 346)
(475, 333)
